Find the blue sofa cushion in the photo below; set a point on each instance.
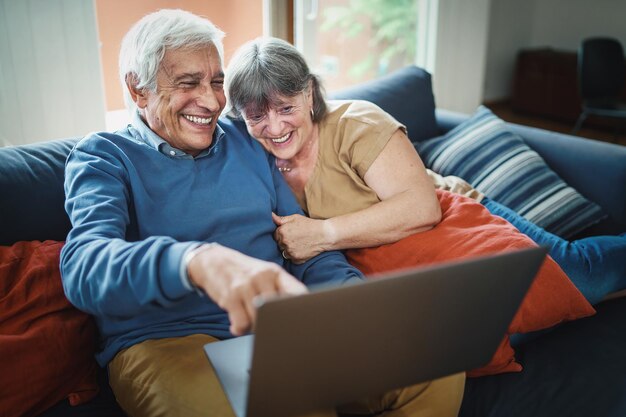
(496, 161)
(405, 94)
(576, 370)
(31, 190)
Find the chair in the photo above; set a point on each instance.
(601, 73)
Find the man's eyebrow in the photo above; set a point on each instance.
(196, 76)
(187, 75)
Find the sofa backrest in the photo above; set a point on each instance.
(406, 94)
(31, 191)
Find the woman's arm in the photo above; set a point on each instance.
(408, 205)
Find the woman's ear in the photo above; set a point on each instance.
(137, 94)
(309, 93)
(309, 88)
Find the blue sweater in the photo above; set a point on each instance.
(137, 205)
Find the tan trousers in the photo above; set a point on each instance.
(173, 377)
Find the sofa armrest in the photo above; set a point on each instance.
(448, 120)
(596, 169)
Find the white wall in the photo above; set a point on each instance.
(563, 24)
(462, 31)
(559, 24)
(510, 28)
(50, 76)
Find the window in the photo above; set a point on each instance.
(350, 41)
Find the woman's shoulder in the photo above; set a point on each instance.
(352, 124)
(353, 108)
(358, 111)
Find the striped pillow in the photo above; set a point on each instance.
(497, 162)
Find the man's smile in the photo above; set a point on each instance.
(204, 121)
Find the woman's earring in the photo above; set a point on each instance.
(312, 114)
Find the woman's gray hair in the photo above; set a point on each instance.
(144, 46)
(264, 68)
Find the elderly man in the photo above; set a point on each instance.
(172, 234)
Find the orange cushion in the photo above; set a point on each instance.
(46, 345)
(467, 230)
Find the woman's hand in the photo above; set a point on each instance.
(300, 237)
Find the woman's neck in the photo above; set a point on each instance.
(298, 170)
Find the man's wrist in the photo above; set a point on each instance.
(187, 258)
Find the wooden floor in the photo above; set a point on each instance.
(504, 111)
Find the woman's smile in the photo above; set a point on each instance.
(281, 140)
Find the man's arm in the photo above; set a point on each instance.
(102, 272)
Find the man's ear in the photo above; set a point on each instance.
(137, 94)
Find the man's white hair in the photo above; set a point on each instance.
(144, 46)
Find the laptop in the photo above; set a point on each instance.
(337, 345)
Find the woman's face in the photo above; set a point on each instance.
(286, 127)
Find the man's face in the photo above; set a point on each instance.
(188, 100)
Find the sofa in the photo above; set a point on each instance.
(577, 368)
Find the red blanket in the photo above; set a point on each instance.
(46, 345)
(468, 229)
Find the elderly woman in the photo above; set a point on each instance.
(359, 179)
(350, 165)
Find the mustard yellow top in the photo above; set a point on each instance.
(351, 136)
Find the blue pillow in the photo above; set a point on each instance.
(497, 162)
